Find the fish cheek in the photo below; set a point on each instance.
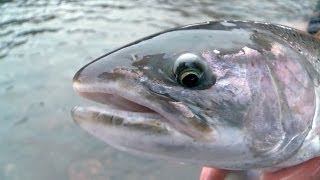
(263, 139)
(262, 121)
(263, 126)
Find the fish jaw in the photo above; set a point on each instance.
(122, 129)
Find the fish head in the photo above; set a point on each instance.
(223, 94)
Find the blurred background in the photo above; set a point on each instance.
(44, 42)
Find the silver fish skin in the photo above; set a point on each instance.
(235, 95)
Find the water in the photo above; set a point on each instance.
(43, 43)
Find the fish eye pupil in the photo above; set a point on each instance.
(190, 80)
(189, 77)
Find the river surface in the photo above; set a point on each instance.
(42, 45)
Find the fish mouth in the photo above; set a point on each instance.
(135, 109)
(117, 109)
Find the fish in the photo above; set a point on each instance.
(234, 95)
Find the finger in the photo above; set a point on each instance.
(309, 170)
(208, 173)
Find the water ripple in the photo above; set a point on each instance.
(36, 31)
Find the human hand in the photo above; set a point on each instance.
(309, 170)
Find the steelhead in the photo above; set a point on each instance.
(234, 95)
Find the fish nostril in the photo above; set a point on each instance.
(76, 77)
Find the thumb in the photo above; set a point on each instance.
(208, 173)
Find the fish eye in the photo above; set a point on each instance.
(188, 70)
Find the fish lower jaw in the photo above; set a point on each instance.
(114, 118)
